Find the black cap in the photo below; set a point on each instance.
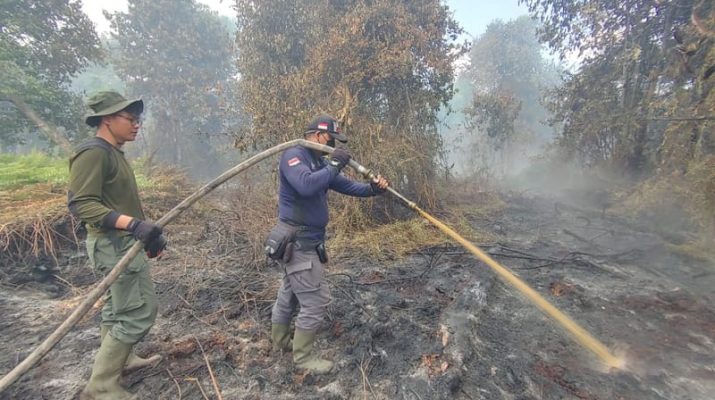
(326, 123)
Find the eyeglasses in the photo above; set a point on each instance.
(135, 120)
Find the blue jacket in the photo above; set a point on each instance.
(303, 193)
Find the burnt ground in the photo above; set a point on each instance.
(438, 325)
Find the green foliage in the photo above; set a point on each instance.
(642, 100)
(37, 167)
(644, 61)
(41, 46)
(31, 168)
(495, 113)
(383, 68)
(176, 55)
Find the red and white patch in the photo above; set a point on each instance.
(293, 162)
(323, 126)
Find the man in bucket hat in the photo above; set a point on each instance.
(103, 194)
(305, 178)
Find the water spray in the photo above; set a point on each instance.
(579, 333)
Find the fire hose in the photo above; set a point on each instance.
(579, 333)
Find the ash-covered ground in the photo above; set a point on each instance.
(438, 325)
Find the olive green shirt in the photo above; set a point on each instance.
(101, 180)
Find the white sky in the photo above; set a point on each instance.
(94, 8)
(472, 15)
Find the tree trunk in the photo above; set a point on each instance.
(54, 135)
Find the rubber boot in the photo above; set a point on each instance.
(134, 362)
(280, 335)
(303, 356)
(104, 382)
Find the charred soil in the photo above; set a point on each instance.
(436, 325)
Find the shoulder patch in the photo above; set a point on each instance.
(293, 162)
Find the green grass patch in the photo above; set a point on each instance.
(29, 169)
(17, 171)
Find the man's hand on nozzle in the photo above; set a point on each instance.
(339, 158)
(379, 185)
(154, 248)
(144, 231)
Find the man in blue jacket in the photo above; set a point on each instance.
(305, 177)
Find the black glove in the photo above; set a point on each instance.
(339, 158)
(154, 248)
(376, 189)
(143, 231)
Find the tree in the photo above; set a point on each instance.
(640, 59)
(100, 75)
(177, 55)
(508, 74)
(42, 45)
(642, 101)
(383, 68)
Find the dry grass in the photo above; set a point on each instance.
(700, 250)
(459, 205)
(680, 206)
(35, 221)
(248, 211)
(29, 201)
(391, 241)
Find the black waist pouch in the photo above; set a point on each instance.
(279, 240)
(322, 253)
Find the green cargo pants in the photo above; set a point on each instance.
(131, 306)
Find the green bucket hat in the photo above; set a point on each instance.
(108, 103)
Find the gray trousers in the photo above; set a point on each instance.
(303, 285)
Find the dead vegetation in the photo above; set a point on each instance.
(37, 231)
(680, 207)
(34, 223)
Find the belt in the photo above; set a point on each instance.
(305, 244)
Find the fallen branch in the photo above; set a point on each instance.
(355, 301)
(364, 366)
(576, 257)
(211, 372)
(579, 238)
(53, 134)
(196, 381)
(178, 387)
(192, 313)
(694, 118)
(523, 257)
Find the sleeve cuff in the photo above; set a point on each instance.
(334, 171)
(110, 220)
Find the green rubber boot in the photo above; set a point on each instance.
(134, 362)
(303, 356)
(104, 382)
(280, 336)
